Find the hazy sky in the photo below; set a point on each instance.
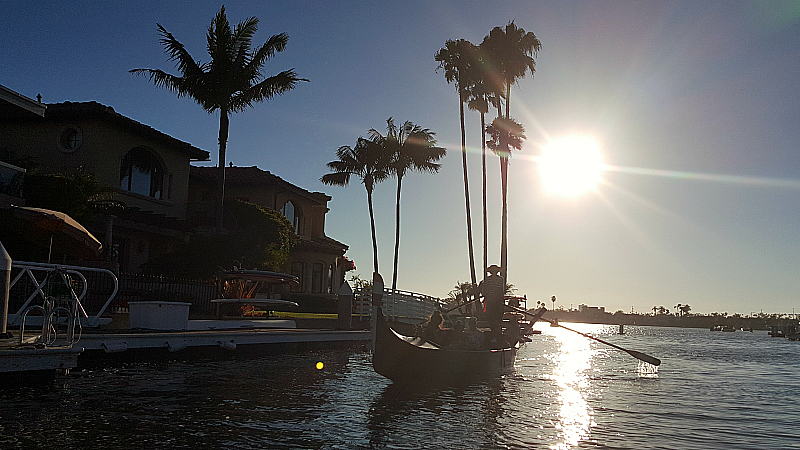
(695, 107)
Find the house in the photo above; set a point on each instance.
(149, 169)
(164, 198)
(316, 259)
(14, 105)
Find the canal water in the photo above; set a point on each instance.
(713, 391)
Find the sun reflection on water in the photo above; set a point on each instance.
(573, 363)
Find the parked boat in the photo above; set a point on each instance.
(405, 359)
(726, 328)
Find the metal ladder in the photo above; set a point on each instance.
(60, 316)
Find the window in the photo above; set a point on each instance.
(297, 270)
(316, 277)
(293, 213)
(70, 139)
(142, 173)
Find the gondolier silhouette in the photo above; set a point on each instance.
(493, 289)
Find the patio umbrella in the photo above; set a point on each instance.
(58, 224)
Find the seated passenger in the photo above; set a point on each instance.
(473, 336)
(433, 330)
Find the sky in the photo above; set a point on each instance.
(693, 105)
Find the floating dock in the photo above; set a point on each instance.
(205, 339)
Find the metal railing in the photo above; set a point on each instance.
(400, 306)
(44, 286)
(55, 316)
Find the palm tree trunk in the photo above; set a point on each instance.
(374, 239)
(396, 233)
(483, 167)
(223, 144)
(466, 189)
(504, 181)
(504, 229)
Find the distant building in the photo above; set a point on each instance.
(316, 259)
(583, 309)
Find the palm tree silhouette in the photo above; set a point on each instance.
(509, 53)
(367, 161)
(482, 95)
(455, 59)
(412, 148)
(229, 82)
(504, 135)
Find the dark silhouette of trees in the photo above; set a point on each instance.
(231, 82)
(367, 161)
(510, 55)
(411, 148)
(455, 59)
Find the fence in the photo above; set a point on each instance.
(137, 287)
(100, 292)
(400, 306)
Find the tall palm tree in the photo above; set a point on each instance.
(510, 52)
(504, 134)
(367, 161)
(482, 95)
(455, 59)
(229, 82)
(412, 148)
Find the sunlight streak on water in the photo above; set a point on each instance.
(573, 363)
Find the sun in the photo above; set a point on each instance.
(571, 166)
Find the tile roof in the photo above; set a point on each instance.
(94, 110)
(253, 175)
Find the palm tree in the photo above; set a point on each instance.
(370, 163)
(455, 59)
(460, 294)
(481, 96)
(509, 52)
(229, 82)
(504, 134)
(412, 148)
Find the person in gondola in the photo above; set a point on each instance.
(473, 336)
(493, 289)
(433, 330)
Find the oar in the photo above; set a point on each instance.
(638, 355)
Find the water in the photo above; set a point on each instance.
(713, 390)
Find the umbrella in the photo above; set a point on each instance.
(58, 223)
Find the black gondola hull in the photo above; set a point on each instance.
(403, 360)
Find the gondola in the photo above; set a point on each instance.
(405, 359)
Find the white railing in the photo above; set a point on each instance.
(400, 306)
(39, 273)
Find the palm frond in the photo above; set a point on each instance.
(178, 53)
(265, 90)
(336, 178)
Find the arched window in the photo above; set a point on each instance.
(141, 172)
(298, 271)
(295, 215)
(316, 277)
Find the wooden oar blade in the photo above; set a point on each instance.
(643, 357)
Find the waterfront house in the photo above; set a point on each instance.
(148, 169)
(316, 259)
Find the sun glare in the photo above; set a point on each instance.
(571, 166)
